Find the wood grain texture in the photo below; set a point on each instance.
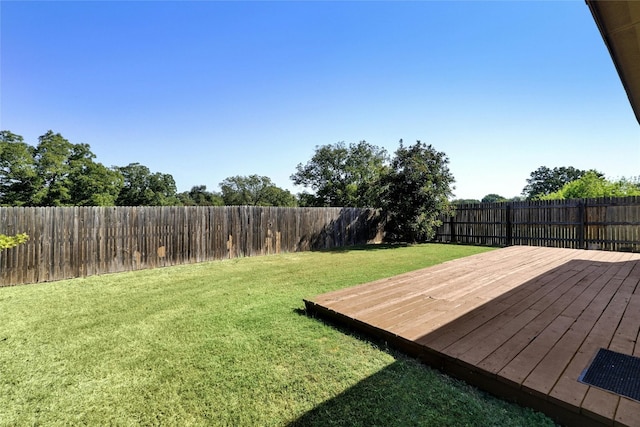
(522, 322)
(82, 241)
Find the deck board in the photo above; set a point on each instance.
(522, 322)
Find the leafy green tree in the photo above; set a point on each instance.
(18, 178)
(630, 184)
(254, 190)
(199, 196)
(493, 198)
(53, 169)
(545, 181)
(143, 188)
(464, 201)
(276, 196)
(91, 183)
(592, 185)
(341, 175)
(54, 173)
(306, 199)
(416, 192)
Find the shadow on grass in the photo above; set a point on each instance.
(405, 395)
(372, 401)
(409, 393)
(370, 339)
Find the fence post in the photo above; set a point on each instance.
(452, 228)
(581, 225)
(509, 230)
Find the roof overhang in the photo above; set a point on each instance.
(619, 25)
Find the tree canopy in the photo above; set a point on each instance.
(144, 188)
(343, 175)
(254, 190)
(544, 181)
(493, 198)
(593, 185)
(199, 196)
(18, 177)
(416, 192)
(464, 201)
(54, 173)
(413, 188)
(58, 173)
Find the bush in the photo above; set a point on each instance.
(7, 242)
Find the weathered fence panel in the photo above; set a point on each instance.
(83, 241)
(606, 223)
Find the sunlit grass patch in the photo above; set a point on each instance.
(222, 343)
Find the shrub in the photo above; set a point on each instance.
(7, 242)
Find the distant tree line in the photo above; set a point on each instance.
(571, 183)
(414, 187)
(567, 182)
(57, 172)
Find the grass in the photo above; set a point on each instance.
(223, 343)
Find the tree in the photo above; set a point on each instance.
(54, 173)
(18, 178)
(545, 181)
(254, 190)
(199, 196)
(464, 201)
(592, 185)
(276, 196)
(306, 199)
(91, 183)
(52, 168)
(342, 175)
(493, 198)
(143, 188)
(416, 192)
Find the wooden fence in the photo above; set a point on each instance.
(607, 224)
(83, 241)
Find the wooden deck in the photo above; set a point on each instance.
(520, 322)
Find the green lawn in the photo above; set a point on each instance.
(223, 343)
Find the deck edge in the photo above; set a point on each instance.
(458, 369)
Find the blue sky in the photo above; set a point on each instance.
(205, 90)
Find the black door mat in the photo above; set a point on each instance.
(615, 372)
